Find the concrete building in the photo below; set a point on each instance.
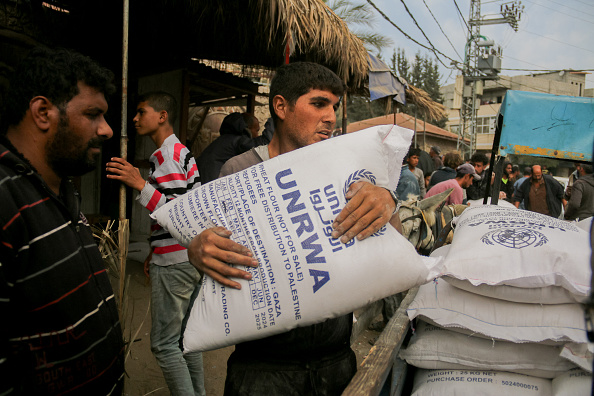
(491, 95)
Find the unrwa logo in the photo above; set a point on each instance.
(515, 238)
(360, 175)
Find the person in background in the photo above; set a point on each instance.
(507, 184)
(412, 160)
(61, 331)
(465, 175)
(581, 203)
(314, 359)
(477, 190)
(236, 137)
(515, 173)
(575, 175)
(435, 154)
(518, 183)
(543, 194)
(174, 281)
(448, 171)
(426, 165)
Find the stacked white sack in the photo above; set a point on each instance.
(510, 302)
(282, 210)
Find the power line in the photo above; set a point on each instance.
(585, 20)
(435, 51)
(562, 42)
(424, 35)
(550, 70)
(461, 16)
(571, 8)
(583, 2)
(446, 36)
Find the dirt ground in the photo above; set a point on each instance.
(144, 376)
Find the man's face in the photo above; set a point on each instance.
(146, 120)
(80, 133)
(478, 167)
(413, 160)
(466, 181)
(310, 120)
(536, 174)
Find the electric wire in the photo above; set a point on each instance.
(461, 16)
(559, 41)
(571, 8)
(435, 51)
(446, 36)
(544, 6)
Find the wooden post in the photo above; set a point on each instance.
(344, 113)
(123, 225)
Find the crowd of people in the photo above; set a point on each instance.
(62, 332)
(469, 182)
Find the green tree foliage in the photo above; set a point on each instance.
(423, 73)
(360, 18)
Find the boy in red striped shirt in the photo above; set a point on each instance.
(174, 281)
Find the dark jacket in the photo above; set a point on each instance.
(478, 187)
(581, 203)
(235, 139)
(554, 195)
(60, 328)
(442, 174)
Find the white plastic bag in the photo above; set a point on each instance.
(283, 209)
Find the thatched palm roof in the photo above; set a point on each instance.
(166, 34)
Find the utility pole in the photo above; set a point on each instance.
(482, 61)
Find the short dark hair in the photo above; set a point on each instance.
(413, 151)
(479, 157)
(161, 101)
(527, 171)
(55, 74)
(587, 168)
(296, 79)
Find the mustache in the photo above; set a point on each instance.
(96, 143)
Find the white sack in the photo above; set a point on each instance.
(494, 245)
(585, 224)
(536, 295)
(484, 383)
(580, 354)
(283, 209)
(501, 202)
(573, 383)
(433, 347)
(448, 306)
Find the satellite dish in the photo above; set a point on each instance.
(561, 73)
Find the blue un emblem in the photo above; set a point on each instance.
(515, 238)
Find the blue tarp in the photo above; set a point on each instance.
(383, 83)
(546, 125)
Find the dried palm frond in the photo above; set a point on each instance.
(425, 104)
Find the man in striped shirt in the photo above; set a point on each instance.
(60, 331)
(174, 281)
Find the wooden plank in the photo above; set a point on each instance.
(374, 370)
(364, 318)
